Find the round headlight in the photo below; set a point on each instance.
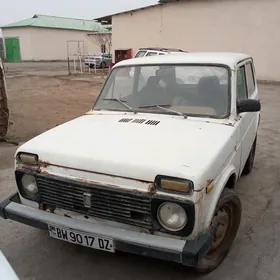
(29, 184)
(172, 216)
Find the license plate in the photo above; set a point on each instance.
(81, 238)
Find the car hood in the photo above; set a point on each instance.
(138, 146)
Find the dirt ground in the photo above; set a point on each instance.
(39, 100)
(40, 103)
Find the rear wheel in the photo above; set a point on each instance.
(103, 65)
(250, 161)
(224, 227)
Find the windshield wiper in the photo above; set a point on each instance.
(166, 109)
(153, 106)
(122, 102)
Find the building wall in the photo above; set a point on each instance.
(216, 25)
(49, 44)
(24, 35)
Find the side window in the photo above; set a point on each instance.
(241, 86)
(140, 54)
(250, 78)
(151, 53)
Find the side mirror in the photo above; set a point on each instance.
(248, 105)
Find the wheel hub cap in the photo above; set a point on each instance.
(219, 228)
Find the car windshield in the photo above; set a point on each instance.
(168, 89)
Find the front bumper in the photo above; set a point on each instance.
(180, 251)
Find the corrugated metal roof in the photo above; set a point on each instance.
(45, 21)
(108, 19)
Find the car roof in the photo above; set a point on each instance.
(161, 49)
(224, 58)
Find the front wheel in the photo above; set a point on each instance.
(224, 228)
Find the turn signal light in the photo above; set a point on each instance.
(28, 158)
(174, 184)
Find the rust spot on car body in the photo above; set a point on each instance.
(47, 208)
(152, 188)
(43, 172)
(44, 163)
(27, 167)
(96, 183)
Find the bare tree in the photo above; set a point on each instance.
(102, 38)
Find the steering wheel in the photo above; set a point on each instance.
(178, 101)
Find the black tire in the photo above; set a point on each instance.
(103, 65)
(250, 161)
(229, 204)
(91, 66)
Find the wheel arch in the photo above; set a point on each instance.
(227, 180)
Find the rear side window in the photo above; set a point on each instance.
(241, 84)
(250, 78)
(140, 54)
(151, 53)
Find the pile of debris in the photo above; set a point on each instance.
(4, 110)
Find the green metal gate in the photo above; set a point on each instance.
(12, 50)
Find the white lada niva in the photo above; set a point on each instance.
(151, 169)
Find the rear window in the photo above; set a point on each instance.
(140, 54)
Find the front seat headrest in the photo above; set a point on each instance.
(209, 82)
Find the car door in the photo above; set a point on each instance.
(108, 60)
(105, 59)
(246, 88)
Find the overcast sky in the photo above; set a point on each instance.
(15, 10)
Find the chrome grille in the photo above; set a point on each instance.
(116, 205)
